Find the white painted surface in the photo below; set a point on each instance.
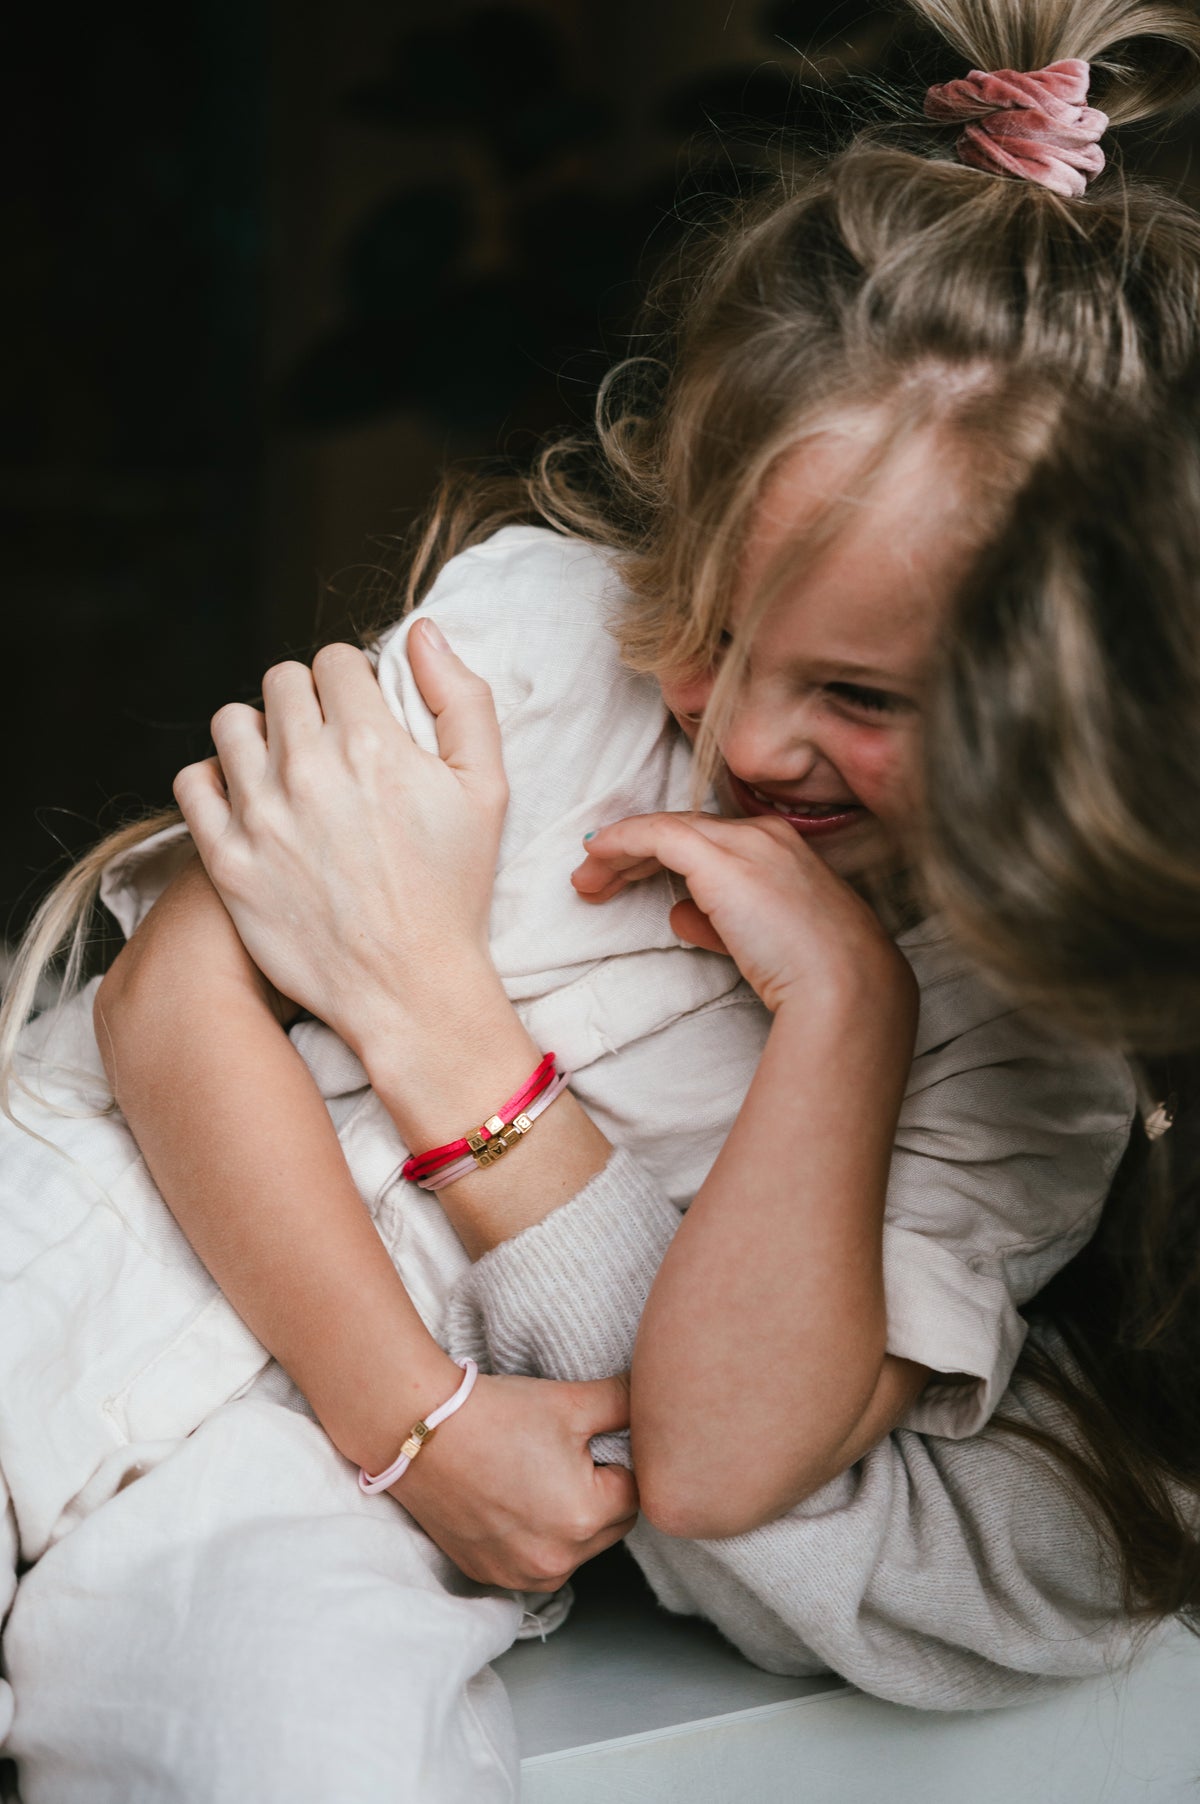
(627, 1705)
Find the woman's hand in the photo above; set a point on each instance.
(757, 893)
(507, 1486)
(358, 869)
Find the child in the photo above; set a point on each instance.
(996, 1112)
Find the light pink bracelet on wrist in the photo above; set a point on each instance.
(419, 1433)
(462, 1168)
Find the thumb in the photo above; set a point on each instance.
(693, 925)
(604, 1405)
(468, 733)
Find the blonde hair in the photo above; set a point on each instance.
(880, 280)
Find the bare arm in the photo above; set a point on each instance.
(239, 1142)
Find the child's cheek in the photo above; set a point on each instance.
(876, 763)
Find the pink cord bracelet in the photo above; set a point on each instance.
(419, 1433)
(462, 1168)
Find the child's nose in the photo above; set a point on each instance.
(763, 745)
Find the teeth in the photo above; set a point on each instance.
(814, 810)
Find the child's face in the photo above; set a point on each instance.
(826, 723)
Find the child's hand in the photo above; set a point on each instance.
(757, 893)
(507, 1486)
(358, 869)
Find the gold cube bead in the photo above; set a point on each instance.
(418, 1434)
(494, 1123)
(522, 1123)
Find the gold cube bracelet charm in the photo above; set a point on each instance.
(418, 1435)
(506, 1134)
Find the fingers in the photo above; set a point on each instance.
(693, 925)
(644, 844)
(689, 844)
(344, 684)
(596, 879)
(602, 1405)
(605, 1539)
(291, 707)
(200, 793)
(240, 736)
(617, 1495)
(461, 703)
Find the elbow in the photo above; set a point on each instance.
(712, 1485)
(686, 1516)
(713, 1503)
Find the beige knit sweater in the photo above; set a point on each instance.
(947, 1574)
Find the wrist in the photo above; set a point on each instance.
(447, 1070)
(875, 995)
(369, 1425)
(443, 1457)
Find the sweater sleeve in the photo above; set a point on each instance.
(564, 1298)
(939, 1573)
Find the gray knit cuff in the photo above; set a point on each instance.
(564, 1298)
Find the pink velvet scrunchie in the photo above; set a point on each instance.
(1038, 126)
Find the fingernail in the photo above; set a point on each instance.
(434, 635)
(590, 835)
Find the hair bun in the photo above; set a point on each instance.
(1145, 57)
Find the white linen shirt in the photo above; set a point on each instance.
(110, 1329)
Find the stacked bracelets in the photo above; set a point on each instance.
(484, 1145)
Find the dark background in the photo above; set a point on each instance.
(269, 266)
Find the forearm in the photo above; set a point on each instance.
(767, 1320)
(241, 1146)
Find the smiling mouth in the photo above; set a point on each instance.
(811, 819)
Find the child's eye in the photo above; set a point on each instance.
(871, 701)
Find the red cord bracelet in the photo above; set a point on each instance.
(422, 1165)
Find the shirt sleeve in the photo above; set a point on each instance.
(133, 881)
(1005, 1151)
